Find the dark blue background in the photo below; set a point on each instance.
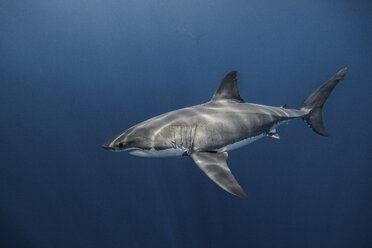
(75, 73)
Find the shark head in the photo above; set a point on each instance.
(133, 139)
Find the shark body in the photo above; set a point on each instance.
(208, 131)
(187, 33)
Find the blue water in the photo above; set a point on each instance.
(75, 73)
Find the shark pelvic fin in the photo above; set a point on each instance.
(274, 135)
(228, 88)
(214, 165)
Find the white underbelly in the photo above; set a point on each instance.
(177, 152)
(249, 140)
(241, 143)
(152, 153)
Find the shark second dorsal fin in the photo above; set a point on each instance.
(228, 88)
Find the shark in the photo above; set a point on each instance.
(207, 132)
(184, 31)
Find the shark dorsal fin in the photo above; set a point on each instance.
(228, 88)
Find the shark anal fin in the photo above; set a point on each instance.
(215, 167)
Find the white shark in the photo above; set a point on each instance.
(208, 131)
(184, 31)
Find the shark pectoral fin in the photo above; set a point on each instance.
(215, 166)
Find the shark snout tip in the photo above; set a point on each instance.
(107, 146)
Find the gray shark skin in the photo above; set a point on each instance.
(208, 131)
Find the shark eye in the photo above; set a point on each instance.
(121, 144)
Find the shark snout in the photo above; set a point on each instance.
(108, 147)
(115, 144)
(109, 144)
(129, 140)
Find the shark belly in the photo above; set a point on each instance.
(241, 143)
(249, 140)
(153, 153)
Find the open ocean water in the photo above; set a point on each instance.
(74, 73)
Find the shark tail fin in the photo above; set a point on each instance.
(315, 101)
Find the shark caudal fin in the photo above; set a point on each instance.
(315, 101)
